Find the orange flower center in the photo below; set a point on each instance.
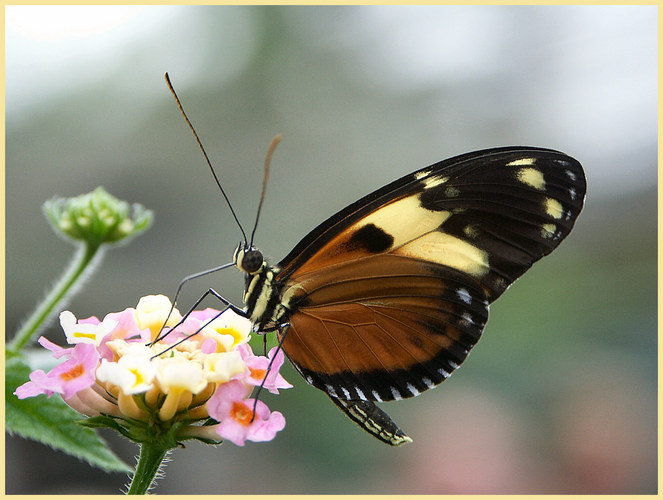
(258, 373)
(75, 372)
(241, 413)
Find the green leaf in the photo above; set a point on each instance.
(52, 422)
(111, 423)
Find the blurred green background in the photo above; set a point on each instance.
(560, 394)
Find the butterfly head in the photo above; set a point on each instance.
(248, 259)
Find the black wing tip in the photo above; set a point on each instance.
(373, 420)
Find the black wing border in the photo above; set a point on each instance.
(331, 227)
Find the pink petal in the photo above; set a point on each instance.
(127, 327)
(274, 381)
(263, 428)
(245, 351)
(232, 431)
(54, 348)
(191, 325)
(268, 428)
(278, 360)
(221, 402)
(90, 403)
(40, 383)
(205, 315)
(92, 320)
(77, 373)
(208, 346)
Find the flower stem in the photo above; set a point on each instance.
(84, 261)
(150, 459)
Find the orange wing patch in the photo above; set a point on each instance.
(383, 327)
(391, 226)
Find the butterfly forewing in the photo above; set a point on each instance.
(387, 297)
(513, 206)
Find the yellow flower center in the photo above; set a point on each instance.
(83, 335)
(139, 376)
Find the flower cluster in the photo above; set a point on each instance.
(199, 370)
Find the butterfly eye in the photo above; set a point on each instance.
(251, 261)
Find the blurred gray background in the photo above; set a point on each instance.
(560, 394)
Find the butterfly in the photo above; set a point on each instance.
(386, 298)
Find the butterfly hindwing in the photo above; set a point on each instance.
(384, 327)
(373, 420)
(387, 297)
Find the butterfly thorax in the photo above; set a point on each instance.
(263, 292)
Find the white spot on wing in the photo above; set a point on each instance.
(464, 295)
(404, 220)
(466, 319)
(572, 193)
(346, 393)
(331, 391)
(360, 394)
(396, 394)
(413, 390)
(548, 230)
(448, 250)
(521, 162)
(452, 192)
(431, 182)
(553, 208)
(532, 177)
(471, 230)
(428, 382)
(376, 396)
(422, 173)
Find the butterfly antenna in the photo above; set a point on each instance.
(216, 179)
(265, 176)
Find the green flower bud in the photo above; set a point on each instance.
(97, 218)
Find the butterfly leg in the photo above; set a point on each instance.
(368, 416)
(187, 337)
(283, 329)
(209, 292)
